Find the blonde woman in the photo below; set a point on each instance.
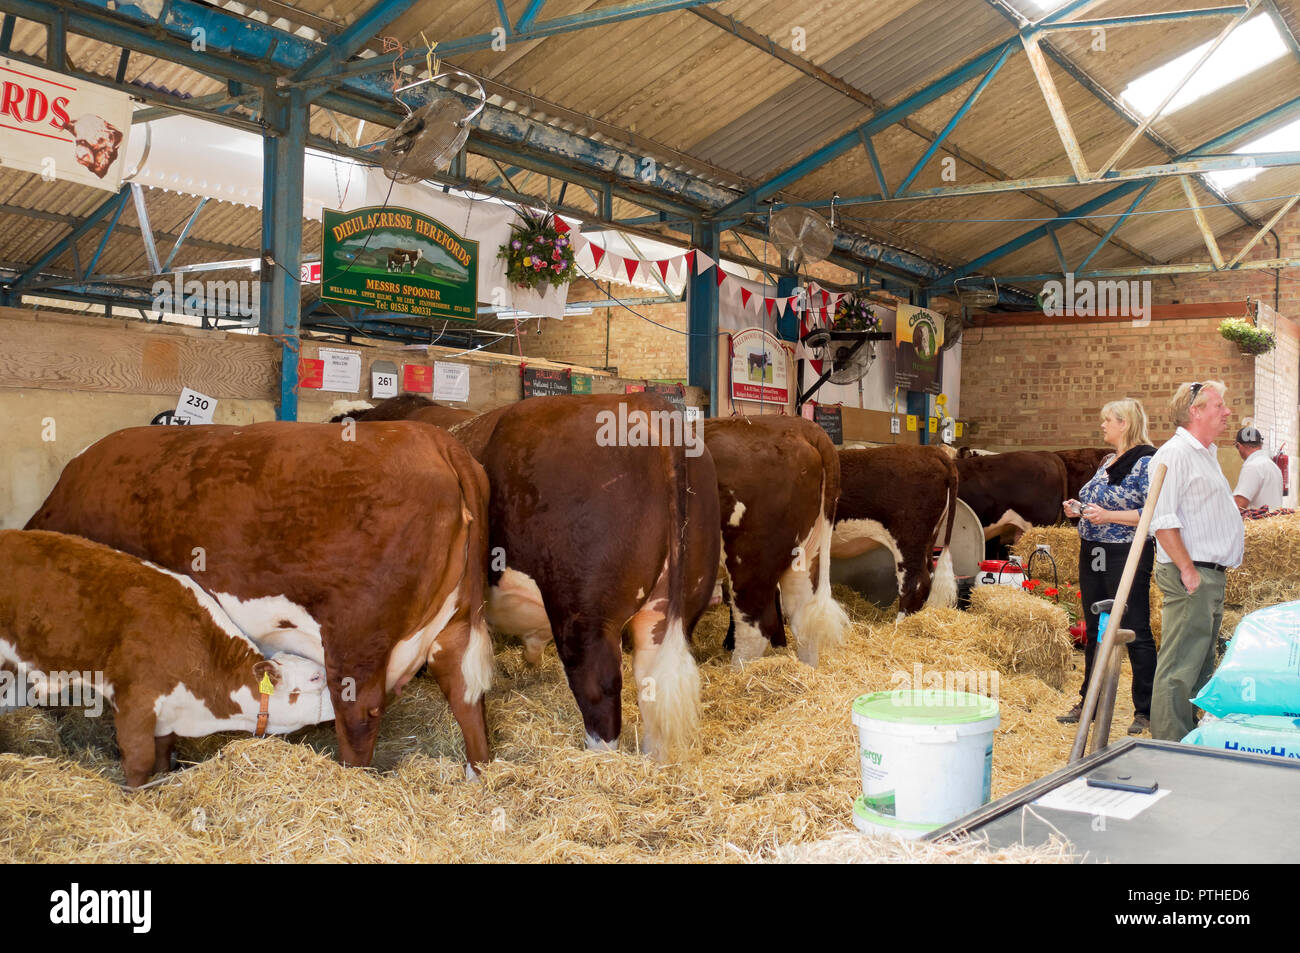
(1109, 506)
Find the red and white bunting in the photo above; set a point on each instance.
(769, 303)
(597, 253)
(703, 263)
(663, 268)
(781, 305)
(631, 265)
(745, 295)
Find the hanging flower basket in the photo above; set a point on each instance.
(855, 313)
(1248, 338)
(538, 253)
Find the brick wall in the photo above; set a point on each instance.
(636, 348)
(1043, 385)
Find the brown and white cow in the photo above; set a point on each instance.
(778, 484)
(403, 259)
(403, 407)
(152, 642)
(363, 546)
(1009, 492)
(602, 522)
(903, 498)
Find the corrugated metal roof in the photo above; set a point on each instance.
(680, 86)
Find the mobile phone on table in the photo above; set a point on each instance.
(1122, 781)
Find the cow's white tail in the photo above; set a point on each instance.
(943, 587)
(820, 624)
(670, 696)
(478, 665)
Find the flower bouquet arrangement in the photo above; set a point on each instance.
(538, 253)
(1248, 338)
(855, 313)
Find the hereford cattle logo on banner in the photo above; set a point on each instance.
(759, 368)
(918, 344)
(59, 127)
(397, 260)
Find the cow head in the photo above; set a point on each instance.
(97, 142)
(300, 698)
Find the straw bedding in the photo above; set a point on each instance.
(773, 779)
(777, 767)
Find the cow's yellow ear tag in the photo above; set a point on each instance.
(265, 687)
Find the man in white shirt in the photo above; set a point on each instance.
(1199, 536)
(1260, 482)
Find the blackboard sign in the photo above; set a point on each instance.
(675, 394)
(831, 420)
(545, 382)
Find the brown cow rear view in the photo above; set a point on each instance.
(778, 485)
(368, 554)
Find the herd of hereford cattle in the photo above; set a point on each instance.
(282, 574)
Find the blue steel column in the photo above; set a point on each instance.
(702, 319)
(282, 172)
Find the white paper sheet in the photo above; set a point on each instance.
(1079, 797)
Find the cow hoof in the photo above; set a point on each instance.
(808, 657)
(470, 773)
(596, 744)
(900, 617)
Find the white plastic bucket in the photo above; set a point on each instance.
(927, 756)
(882, 825)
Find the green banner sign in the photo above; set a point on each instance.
(395, 259)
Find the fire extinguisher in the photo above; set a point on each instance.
(1284, 463)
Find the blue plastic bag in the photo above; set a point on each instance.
(1273, 735)
(1260, 673)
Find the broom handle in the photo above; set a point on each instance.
(1117, 611)
(1109, 691)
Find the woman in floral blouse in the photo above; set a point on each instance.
(1110, 505)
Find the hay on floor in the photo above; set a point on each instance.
(777, 765)
(856, 848)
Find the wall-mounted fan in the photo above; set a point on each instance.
(429, 138)
(953, 325)
(846, 356)
(801, 235)
(976, 292)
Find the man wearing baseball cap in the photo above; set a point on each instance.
(1260, 482)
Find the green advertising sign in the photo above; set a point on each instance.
(395, 259)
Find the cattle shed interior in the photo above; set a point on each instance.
(242, 212)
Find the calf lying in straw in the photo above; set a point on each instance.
(80, 622)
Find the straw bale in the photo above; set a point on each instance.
(1064, 540)
(777, 766)
(1026, 633)
(1270, 569)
